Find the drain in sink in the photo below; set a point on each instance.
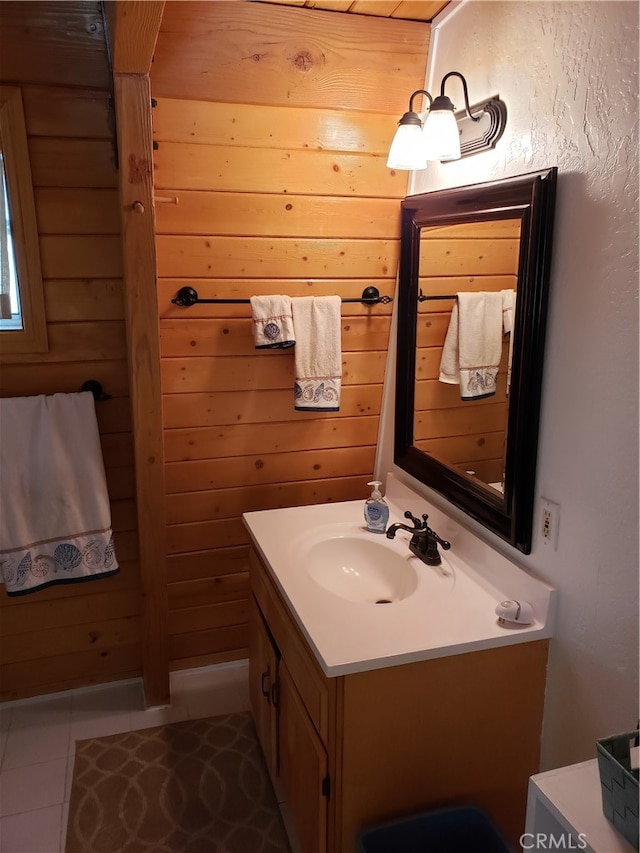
(384, 601)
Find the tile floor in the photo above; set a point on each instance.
(38, 736)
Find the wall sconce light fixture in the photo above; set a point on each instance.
(445, 134)
(407, 149)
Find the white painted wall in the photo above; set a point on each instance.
(568, 74)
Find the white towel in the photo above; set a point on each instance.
(473, 345)
(55, 524)
(508, 315)
(272, 322)
(318, 353)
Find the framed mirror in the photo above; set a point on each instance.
(472, 306)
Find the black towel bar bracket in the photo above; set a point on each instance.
(96, 389)
(187, 296)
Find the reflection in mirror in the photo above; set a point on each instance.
(476, 257)
(472, 301)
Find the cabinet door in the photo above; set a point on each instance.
(303, 769)
(263, 674)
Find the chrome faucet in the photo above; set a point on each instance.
(424, 541)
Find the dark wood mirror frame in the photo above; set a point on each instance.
(531, 198)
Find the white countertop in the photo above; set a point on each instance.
(452, 611)
(573, 796)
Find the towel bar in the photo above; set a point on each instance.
(96, 389)
(423, 298)
(187, 296)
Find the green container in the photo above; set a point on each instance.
(619, 784)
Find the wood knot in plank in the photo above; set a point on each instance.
(302, 61)
(139, 170)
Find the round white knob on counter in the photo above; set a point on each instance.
(516, 612)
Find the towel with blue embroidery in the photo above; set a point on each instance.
(272, 322)
(55, 524)
(318, 353)
(473, 344)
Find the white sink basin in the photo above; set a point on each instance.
(331, 572)
(361, 570)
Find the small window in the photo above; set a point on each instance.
(22, 316)
(10, 314)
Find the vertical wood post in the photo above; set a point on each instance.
(133, 118)
(133, 27)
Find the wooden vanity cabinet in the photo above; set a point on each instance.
(304, 768)
(263, 686)
(350, 751)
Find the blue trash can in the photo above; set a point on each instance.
(463, 829)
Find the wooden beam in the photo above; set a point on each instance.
(133, 116)
(132, 29)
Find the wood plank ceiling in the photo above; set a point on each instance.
(408, 10)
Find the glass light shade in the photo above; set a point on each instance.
(407, 149)
(441, 136)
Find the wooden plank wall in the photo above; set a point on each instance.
(81, 634)
(478, 257)
(272, 128)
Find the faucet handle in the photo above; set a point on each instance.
(442, 542)
(416, 521)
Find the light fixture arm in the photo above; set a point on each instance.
(412, 117)
(449, 105)
(419, 92)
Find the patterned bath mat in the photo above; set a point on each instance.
(200, 786)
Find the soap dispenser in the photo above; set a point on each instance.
(376, 511)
